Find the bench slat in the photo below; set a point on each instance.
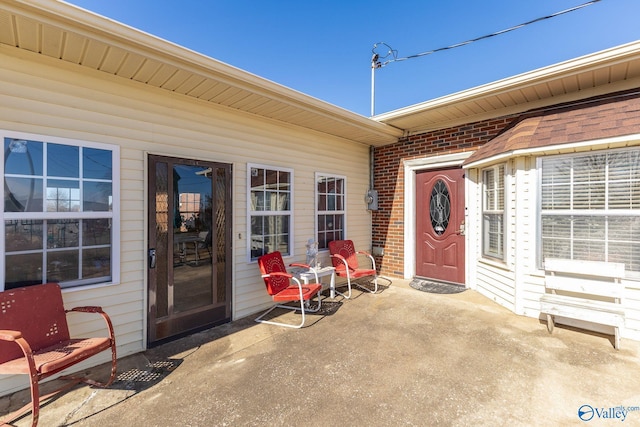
(586, 268)
(577, 308)
(585, 286)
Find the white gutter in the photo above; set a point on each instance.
(553, 72)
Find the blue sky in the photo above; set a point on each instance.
(324, 48)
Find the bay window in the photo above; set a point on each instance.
(493, 212)
(590, 207)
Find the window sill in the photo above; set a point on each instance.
(494, 263)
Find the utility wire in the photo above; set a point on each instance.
(376, 63)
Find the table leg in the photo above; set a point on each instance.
(332, 285)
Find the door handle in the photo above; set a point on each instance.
(461, 230)
(152, 258)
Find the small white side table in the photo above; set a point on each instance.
(307, 276)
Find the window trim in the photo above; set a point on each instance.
(114, 214)
(250, 212)
(318, 212)
(483, 209)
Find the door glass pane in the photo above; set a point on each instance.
(221, 233)
(192, 284)
(162, 240)
(440, 207)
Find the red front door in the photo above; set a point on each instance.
(440, 225)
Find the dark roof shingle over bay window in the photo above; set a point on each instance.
(592, 119)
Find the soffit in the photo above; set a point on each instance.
(66, 32)
(604, 72)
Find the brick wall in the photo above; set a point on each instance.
(388, 220)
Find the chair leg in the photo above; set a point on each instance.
(307, 304)
(348, 294)
(34, 389)
(271, 322)
(95, 383)
(375, 288)
(35, 400)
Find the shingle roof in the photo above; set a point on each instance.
(596, 118)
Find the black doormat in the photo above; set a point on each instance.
(436, 287)
(142, 378)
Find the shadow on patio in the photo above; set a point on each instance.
(400, 357)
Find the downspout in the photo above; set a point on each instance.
(371, 172)
(371, 198)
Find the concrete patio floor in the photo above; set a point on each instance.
(401, 357)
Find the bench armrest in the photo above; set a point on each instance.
(8, 335)
(98, 310)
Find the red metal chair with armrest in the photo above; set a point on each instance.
(284, 287)
(344, 258)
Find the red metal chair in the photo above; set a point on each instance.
(284, 287)
(35, 341)
(344, 258)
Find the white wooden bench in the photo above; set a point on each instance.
(591, 291)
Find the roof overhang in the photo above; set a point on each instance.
(62, 31)
(608, 71)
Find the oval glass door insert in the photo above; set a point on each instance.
(440, 207)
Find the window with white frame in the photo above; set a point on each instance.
(493, 212)
(270, 205)
(590, 207)
(60, 220)
(330, 208)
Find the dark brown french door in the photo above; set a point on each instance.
(189, 241)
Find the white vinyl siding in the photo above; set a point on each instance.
(45, 96)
